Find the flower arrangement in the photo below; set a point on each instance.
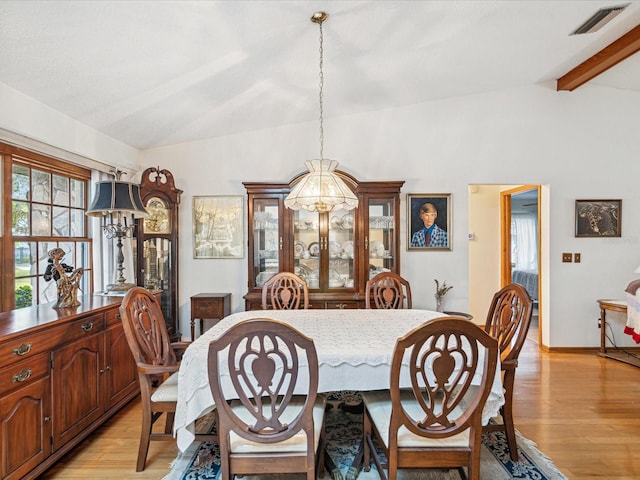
(441, 291)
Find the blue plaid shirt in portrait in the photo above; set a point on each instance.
(438, 238)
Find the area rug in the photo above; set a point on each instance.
(343, 433)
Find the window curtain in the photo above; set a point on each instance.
(524, 243)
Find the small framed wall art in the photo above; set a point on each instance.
(598, 218)
(218, 228)
(429, 221)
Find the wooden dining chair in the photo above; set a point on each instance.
(285, 291)
(155, 356)
(263, 376)
(437, 421)
(508, 321)
(387, 290)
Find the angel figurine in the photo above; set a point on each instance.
(67, 279)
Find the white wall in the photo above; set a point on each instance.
(582, 144)
(35, 126)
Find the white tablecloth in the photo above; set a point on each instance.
(354, 350)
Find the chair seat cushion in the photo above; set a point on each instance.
(167, 391)
(378, 404)
(297, 443)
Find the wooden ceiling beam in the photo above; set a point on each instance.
(606, 58)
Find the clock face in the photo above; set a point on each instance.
(158, 220)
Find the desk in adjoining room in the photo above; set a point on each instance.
(354, 349)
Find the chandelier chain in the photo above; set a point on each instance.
(320, 96)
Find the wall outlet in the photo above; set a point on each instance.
(567, 258)
(576, 257)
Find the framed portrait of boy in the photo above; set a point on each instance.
(429, 221)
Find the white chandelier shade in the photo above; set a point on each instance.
(321, 190)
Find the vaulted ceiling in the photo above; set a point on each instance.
(152, 73)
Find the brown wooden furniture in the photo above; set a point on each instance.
(450, 313)
(387, 290)
(157, 242)
(261, 421)
(508, 321)
(63, 372)
(443, 419)
(146, 332)
(212, 306)
(619, 306)
(285, 291)
(335, 253)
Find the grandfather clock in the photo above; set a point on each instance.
(157, 242)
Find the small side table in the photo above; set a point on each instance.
(619, 306)
(212, 306)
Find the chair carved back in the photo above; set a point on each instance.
(263, 358)
(447, 404)
(285, 291)
(508, 320)
(388, 290)
(146, 329)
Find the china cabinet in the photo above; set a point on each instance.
(335, 252)
(157, 242)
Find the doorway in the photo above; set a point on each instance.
(504, 245)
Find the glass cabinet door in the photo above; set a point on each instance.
(267, 239)
(307, 247)
(340, 249)
(382, 235)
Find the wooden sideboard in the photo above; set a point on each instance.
(63, 372)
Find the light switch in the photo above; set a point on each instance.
(566, 258)
(576, 257)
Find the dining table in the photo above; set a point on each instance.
(354, 349)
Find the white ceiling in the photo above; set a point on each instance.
(152, 73)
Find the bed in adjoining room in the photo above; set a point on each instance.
(528, 279)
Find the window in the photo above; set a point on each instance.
(45, 200)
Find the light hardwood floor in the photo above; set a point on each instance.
(582, 410)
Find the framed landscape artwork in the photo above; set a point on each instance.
(598, 218)
(218, 228)
(429, 221)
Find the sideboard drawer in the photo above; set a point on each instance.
(25, 372)
(27, 346)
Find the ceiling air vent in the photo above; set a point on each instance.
(599, 19)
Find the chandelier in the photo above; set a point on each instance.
(321, 189)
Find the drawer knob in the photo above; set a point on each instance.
(22, 376)
(47, 418)
(341, 306)
(22, 349)
(87, 326)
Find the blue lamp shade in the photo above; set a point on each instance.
(115, 196)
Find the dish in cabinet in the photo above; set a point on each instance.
(314, 249)
(376, 249)
(334, 249)
(298, 249)
(347, 248)
(347, 221)
(336, 222)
